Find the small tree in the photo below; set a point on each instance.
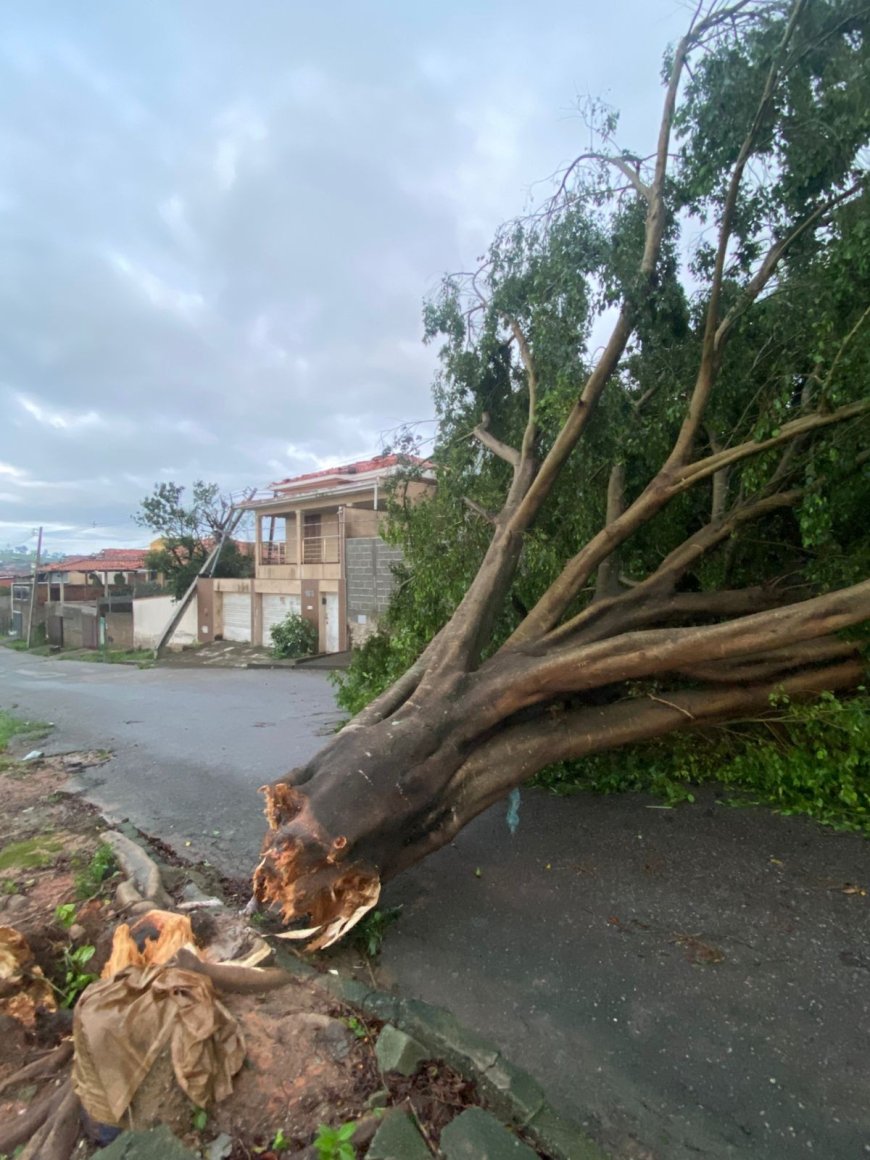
(189, 533)
(294, 637)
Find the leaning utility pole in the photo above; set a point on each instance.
(230, 524)
(33, 589)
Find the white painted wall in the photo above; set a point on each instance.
(151, 615)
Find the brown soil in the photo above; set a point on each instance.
(310, 1059)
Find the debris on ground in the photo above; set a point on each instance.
(180, 1021)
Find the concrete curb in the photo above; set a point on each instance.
(512, 1094)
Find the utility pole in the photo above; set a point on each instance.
(33, 588)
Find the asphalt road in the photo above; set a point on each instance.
(689, 983)
(190, 746)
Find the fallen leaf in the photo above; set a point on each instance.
(699, 953)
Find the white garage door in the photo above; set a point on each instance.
(237, 616)
(275, 608)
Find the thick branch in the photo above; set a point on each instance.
(502, 450)
(580, 414)
(629, 612)
(575, 668)
(520, 751)
(772, 259)
(607, 580)
(811, 652)
(703, 468)
(549, 609)
(531, 432)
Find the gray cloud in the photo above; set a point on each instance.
(218, 223)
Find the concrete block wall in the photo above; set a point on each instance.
(370, 583)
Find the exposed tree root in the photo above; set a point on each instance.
(57, 1137)
(48, 1065)
(36, 1122)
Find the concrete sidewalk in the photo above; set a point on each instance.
(229, 654)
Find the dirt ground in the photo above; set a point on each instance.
(310, 1060)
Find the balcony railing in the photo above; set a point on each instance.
(315, 550)
(319, 549)
(276, 554)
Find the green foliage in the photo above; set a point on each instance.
(355, 1025)
(30, 853)
(90, 878)
(811, 759)
(374, 666)
(370, 931)
(280, 1143)
(74, 977)
(335, 1143)
(65, 914)
(294, 637)
(198, 1119)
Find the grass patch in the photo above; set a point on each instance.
(31, 854)
(16, 645)
(12, 726)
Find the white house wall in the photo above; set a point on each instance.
(151, 615)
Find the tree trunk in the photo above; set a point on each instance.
(384, 794)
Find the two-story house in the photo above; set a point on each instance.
(318, 553)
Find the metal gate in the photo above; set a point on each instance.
(237, 616)
(54, 630)
(274, 609)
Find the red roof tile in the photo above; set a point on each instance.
(108, 560)
(378, 463)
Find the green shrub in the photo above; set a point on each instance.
(294, 637)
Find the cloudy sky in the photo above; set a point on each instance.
(218, 222)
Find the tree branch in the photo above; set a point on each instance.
(478, 510)
(811, 652)
(772, 259)
(547, 612)
(708, 368)
(703, 468)
(531, 432)
(520, 751)
(502, 450)
(607, 580)
(575, 668)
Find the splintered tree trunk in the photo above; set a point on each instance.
(457, 732)
(384, 794)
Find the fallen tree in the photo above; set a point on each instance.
(695, 475)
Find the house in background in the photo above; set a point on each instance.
(109, 568)
(318, 553)
(83, 601)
